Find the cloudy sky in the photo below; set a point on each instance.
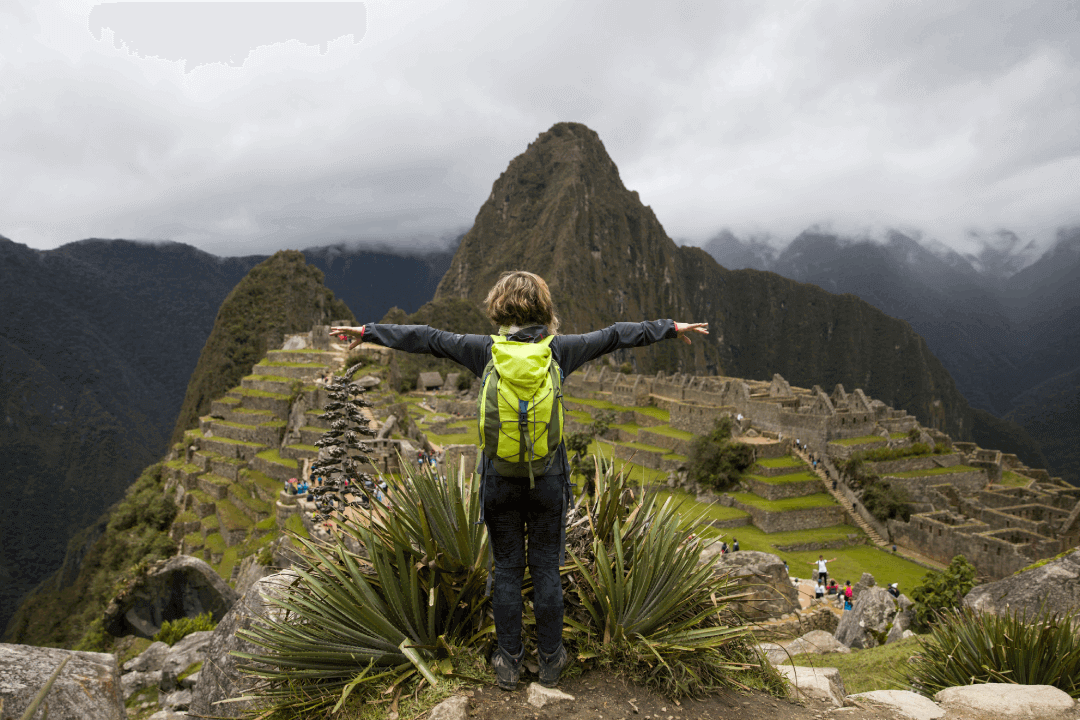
(248, 127)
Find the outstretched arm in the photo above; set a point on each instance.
(354, 333)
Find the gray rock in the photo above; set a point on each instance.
(821, 683)
(538, 696)
(902, 622)
(774, 653)
(148, 660)
(869, 622)
(220, 678)
(133, 682)
(1005, 700)
(88, 688)
(182, 586)
(168, 714)
(764, 576)
(866, 582)
(251, 572)
(902, 704)
(186, 652)
(816, 642)
(452, 708)
(179, 700)
(190, 681)
(1055, 585)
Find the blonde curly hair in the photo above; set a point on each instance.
(521, 298)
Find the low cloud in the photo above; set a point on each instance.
(388, 122)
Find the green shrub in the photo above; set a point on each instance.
(715, 461)
(941, 591)
(967, 648)
(886, 501)
(173, 631)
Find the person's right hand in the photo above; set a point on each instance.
(358, 332)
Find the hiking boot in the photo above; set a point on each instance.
(507, 668)
(551, 667)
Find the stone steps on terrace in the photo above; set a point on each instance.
(264, 487)
(300, 452)
(271, 464)
(234, 523)
(215, 486)
(309, 435)
(229, 448)
(276, 384)
(247, 416)
(277, 403)
(294, 371)
(827, 481)
(324, 358)
(255, 508)
(268, 434)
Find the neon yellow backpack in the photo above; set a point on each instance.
(521, 412)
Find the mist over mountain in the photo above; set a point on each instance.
(561, 210)
(1004, 321)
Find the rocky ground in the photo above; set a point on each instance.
(599, 695)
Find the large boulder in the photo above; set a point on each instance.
(182, 586)
(1007, 700)
(220, 677)
(88, 688)
(763, 576)
(870, 620)
(1054, 587)
(816, 642)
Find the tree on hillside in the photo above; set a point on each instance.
(715, 461)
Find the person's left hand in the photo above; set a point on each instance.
(681, 328)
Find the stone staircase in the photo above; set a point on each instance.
(228, 474)
(827, 481)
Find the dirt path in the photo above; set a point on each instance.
(599, 695)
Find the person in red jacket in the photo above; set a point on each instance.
(520, 305)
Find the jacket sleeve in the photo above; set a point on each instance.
(471, 351)
(573, 351)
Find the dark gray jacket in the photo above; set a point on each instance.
(474, 351)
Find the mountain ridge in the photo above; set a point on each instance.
(561, 210)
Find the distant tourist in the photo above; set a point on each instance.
(723, 547)
(849, 593)
(735, 545)
(822, 568)
(894, 590)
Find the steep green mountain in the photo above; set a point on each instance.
(561, 210)
(281, 295)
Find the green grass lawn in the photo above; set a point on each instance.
(935, 471)
(1013, 479)
(715, 511)
(670, 432)
(784, 479)
(275, 457)
(864, 440)
(787, 504)
(878, 668)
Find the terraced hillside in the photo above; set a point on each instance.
(228, 474)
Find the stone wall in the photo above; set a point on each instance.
(965, 482)
(696, 419)
(779, 491)
(798, 624)
(992, 552)
(792, 520)
(907, 464)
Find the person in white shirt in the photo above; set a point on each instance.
(822, 568)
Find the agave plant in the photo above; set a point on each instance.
(966, 647)
(402, 611)
(650, 606)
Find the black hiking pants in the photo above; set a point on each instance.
(512, 511)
